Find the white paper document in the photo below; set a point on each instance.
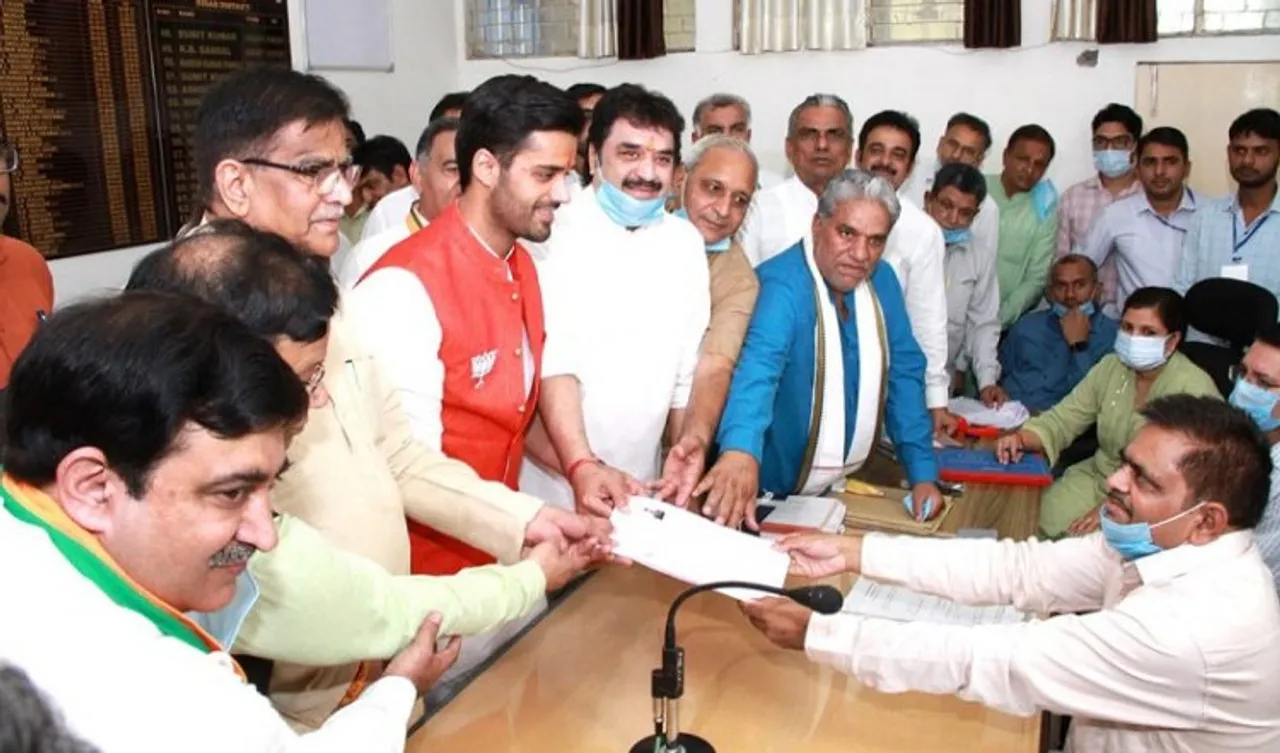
(871, 599)
(690, 548)
(1011, 415)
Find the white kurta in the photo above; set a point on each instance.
(625, 313)
(1174, 652)
(126, 688)
(391, 209)
(783, 215)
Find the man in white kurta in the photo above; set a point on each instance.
(435, 180)
(1167, 634)
(626, 294)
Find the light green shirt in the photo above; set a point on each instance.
(1024, 251)
(321, 606)
(1106, 396)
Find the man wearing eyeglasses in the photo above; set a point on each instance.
(26, 286)
(1257, 393)
(1116, 130)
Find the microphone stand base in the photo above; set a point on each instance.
(686, 744)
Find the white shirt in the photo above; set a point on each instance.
(625, 313)
(368, 251)
(1181, 654)
(343, 264)
(781, 216)
(398, 324)
(391, 209)
(986, 225)
(123, 687)
(1267, 532)
(766, 179)
(973, 313)
(1147, 246)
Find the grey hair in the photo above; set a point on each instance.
(703, 146)
(859, 184)
(820, 100)
(718, 100)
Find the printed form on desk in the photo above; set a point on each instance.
(688, 547)
(871, 599)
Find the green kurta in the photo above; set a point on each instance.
(1106, 396)
(1023, 251)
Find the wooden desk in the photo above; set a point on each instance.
(579, 682)
(1011, 511)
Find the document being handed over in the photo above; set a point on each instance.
(690, 548)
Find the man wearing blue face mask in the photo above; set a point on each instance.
(1257, 393)
(1168, 628)
(973, 296)
(1047, 353)
(1116, 130)
(627, 297)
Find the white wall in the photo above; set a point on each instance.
(1039, 82)
(395, 103)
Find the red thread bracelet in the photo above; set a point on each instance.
(575, 465)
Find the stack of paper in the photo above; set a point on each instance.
(1011, 415)
(871, 599)
(690, 548)
(797, 514)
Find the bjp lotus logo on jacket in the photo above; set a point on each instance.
(482, 365)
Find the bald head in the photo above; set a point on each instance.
(278, 291)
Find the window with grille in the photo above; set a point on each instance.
(549, 28)
(891, 21)
(1207, 17)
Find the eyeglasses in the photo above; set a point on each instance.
(8, 159)
(1120, 143)
(323, 176)
(317, 376)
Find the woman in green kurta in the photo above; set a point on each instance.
(1145, 366)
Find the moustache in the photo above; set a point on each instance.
(651, 185)
(1120, 499)
(235, 553)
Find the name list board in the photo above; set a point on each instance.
(198, 43)
(99, 98)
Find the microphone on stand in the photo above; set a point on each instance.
(668, 680)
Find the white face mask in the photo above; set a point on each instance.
(1141, 353)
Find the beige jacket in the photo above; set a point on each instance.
(356, 473)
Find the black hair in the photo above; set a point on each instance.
(501, 113)
(585, 89)
(1062, 261)
(258, 277)
(450, 101)
(972, 122)
(128, 374)
(383, 154)
(638, 106)
(357, 132)
(1032, 132)
(1118, 113)
(28, 724)
(894, 119)
(1230, 462)
(1168, 305)
(1270, 335)
(1165, 136)
(239, 116)
(1261, 121)
(964, 178)
(436, 127)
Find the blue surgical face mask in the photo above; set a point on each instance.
(224, 624)
(712, 248)
(1141, 353)
(626, 210)
(1133, 540)
(955, 236)
(1259, 403)
(1112, 162)
(1087, 308)
(1044, 197)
